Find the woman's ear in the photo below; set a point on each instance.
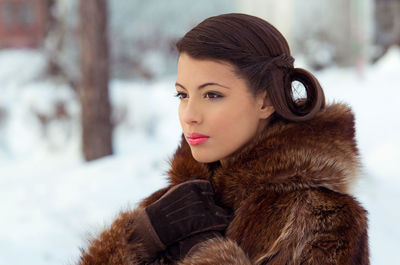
(265, 107)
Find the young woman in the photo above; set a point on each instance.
(259, 177)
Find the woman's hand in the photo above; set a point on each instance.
(187, 212)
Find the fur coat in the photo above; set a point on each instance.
(289, 190)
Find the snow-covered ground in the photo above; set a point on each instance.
(50, 200)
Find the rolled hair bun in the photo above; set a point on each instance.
(283, 100)
(260, 55)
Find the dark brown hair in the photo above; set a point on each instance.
(260, 55)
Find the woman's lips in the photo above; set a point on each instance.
(196, 138)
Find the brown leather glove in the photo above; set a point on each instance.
(185, 210)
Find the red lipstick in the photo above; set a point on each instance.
(196, 138)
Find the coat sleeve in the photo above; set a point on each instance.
(114, 246)
(340, 234)
(328, 248)
(222, 251)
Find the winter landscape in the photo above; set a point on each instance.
(51, 201)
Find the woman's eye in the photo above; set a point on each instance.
(212, 95)
(181, 95)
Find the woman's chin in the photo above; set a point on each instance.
(203, 158)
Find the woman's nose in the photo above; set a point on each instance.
(191, 112)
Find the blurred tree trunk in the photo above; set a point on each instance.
(387, 26)
(93, 88)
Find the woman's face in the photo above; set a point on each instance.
(217, 111)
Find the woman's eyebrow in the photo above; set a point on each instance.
(203, 85)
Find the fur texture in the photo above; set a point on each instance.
(289, 191)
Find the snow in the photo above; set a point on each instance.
(51, 200)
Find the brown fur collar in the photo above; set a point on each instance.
(284, 157)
